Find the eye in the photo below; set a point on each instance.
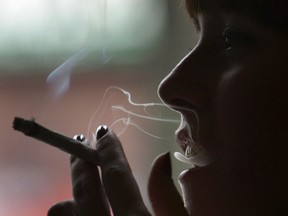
(234, 39)
(228, 41)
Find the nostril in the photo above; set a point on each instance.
(180, 104)
(184, 97)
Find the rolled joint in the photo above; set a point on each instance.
(67, 144)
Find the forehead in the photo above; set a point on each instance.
(270, 13)
(251, 7)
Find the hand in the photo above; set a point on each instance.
(117, 188)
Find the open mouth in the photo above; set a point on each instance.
(194, 154)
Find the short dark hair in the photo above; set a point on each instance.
(271, 13)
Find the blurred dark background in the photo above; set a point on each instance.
(85, 47)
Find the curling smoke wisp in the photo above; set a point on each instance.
(118, 103)
(58, 80)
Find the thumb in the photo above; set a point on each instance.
(165, 199)
(65, 208)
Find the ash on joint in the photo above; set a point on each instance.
(28, 127)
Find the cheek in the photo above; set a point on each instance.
(252, 115)
(251, 106)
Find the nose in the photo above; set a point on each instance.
(186, 85)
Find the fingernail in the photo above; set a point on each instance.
(101, 131)
(80, 137)
(167, 168)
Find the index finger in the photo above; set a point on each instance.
(118, 180)
(88, 191)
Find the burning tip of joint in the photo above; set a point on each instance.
(28, 127)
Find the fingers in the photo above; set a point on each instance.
(66, 208)
(165, 199)
(119, 183)
(88, 191)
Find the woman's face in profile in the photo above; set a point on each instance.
(232, 92)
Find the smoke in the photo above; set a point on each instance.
(58, 80)
(118, 103)
(125, 112)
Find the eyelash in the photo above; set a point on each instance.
(233, 39)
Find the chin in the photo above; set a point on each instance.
(212, 191)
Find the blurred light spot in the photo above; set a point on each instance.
(33, 31)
